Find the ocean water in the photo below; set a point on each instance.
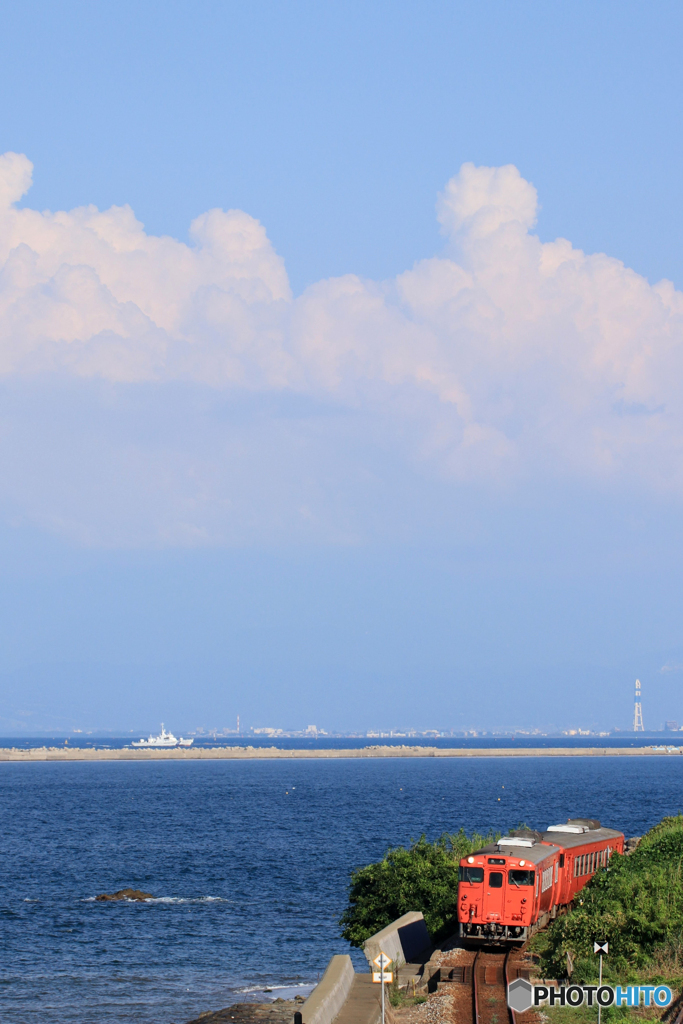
(248, 863)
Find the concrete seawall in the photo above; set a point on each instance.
(275, 753)
(402, 940)
(331, 992)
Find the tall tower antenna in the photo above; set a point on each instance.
(638, 711)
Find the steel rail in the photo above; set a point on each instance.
(511, 1013)
(474, 988)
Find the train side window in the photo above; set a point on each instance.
(561, 860)
(472, 875)
(519, 877)
(576, 866)
(496, 879)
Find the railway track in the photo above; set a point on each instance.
(489, 989)
(480, 992)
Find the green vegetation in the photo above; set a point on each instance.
(610, 1014)
(422, 877)
(637, 905)
(397, 998)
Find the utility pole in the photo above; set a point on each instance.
(638, 711)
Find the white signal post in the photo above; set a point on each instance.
(600, 947)
(382, 976)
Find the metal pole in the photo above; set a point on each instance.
(599, 1006)
(382, 977)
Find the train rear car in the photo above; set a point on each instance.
(586, 847)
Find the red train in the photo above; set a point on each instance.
(510, 889)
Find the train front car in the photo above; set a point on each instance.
(506, 891)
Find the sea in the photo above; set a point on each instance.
(248, 863)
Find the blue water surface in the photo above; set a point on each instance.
(248, 863)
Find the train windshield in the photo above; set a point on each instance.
(518, 877)
(471, 874)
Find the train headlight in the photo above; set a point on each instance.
(470, 860)
(522, 863)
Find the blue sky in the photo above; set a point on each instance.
(370, 448)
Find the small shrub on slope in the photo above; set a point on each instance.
(636, 904)
(422, 877)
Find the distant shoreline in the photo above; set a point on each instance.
(276, 753)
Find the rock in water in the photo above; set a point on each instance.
(126, 894)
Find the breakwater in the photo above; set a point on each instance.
(276, 753)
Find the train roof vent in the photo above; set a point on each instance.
(590, 823)
(516, 841)
(526, 833)
(569, 827)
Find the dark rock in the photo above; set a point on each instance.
(631, 844)
(279, 1012)
(126, 894)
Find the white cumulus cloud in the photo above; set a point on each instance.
(500, 360)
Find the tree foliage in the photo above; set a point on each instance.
(636, 904)
(422, 877)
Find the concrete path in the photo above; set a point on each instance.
(363, 1004)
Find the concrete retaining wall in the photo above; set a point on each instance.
(403, 940)
(331, 992)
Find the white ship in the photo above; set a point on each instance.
(164, 739)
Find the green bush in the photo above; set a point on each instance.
(636, 904)
(422, 877)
